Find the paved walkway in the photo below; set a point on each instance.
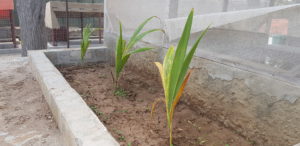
(25, 119)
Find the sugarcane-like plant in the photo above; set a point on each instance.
(124, 50)
(85, 43)
(174, 71)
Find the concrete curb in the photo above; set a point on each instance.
(10, 51)
(78, 124)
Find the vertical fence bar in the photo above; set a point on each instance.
(12, 28)
(81, 24)
(100, 28)
(54, 35)
(67, 13)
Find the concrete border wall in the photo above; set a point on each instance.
(10, 51)
(72, 56)
(77, 122)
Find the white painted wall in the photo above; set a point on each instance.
(241, 32)
(132, 13)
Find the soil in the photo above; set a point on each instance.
(25, 118)
(127, 113)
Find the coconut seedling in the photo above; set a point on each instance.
(85, 43)
(175, 71)
(125, 49)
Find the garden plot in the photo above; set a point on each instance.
(142, 87)
(223, 98)
(127, 113)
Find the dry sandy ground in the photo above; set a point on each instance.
(25, 118)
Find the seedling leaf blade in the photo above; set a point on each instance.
(180, 55)
(139, 50)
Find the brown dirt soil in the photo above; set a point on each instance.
(128, 116)
(25, 118)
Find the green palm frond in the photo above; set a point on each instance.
(124, 50)
(85, 43)
(174, 71)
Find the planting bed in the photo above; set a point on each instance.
(127, 113)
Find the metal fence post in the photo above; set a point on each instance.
(67, 13)
(12, 28)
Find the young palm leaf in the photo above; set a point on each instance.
(85, 43)
(124, 50)
(174, 71)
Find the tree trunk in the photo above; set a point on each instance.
(31, 17)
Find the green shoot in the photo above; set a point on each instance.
(174, 71)
(85, 43)
(125, 49)
(120, 92)
(95, 110)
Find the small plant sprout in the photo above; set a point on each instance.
(95, 110)
(121, 92)
(175, 71)
(85, 43)
(125, 49)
